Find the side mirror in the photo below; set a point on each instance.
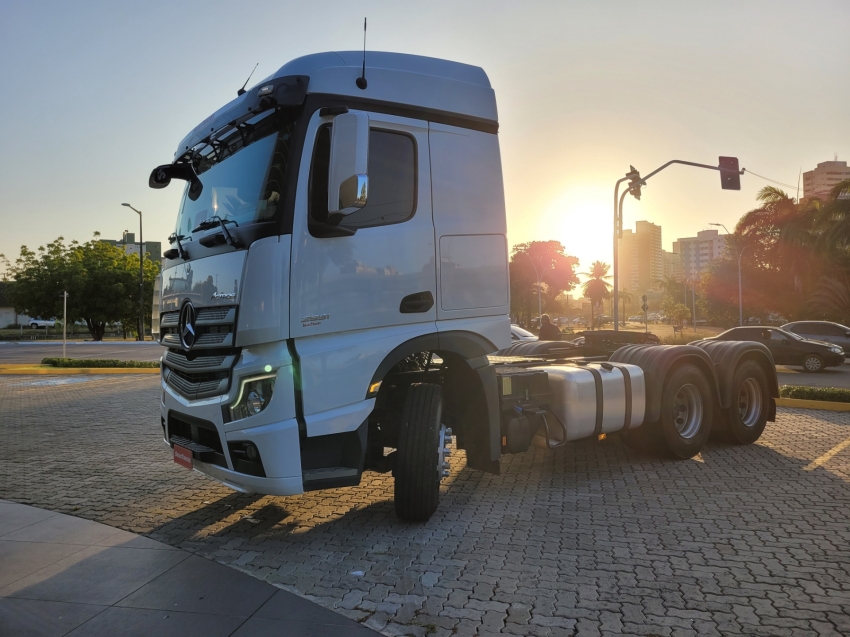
(348, 182)
(161, 176)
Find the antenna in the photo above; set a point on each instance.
(361, 81)
(242, 91)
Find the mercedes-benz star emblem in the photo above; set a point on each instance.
(186, 325)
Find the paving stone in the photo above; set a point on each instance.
(589, 539)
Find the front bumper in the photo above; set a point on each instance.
(274, 431)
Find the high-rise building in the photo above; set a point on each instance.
(673, 268)
(820, 181)
(641, 263)
(697, 252)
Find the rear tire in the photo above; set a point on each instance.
(746, 416)
(417, 472)
(813, 363)
(686, 412)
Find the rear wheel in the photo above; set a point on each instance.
(746, 416)
(686, 412)
(419, 462)
(813, 363)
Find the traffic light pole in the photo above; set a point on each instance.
(729, 180)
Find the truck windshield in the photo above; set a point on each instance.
(242, 175)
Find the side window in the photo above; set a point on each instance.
(777, 336)
(831, 330)
(809, 328)
(392, 180)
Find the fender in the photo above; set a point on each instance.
(656, 361)
(727, 355)
(483, 442)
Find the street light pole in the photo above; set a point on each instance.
(738, 253)
(141, 275)
(64, 321)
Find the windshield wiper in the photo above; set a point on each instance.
(180, 251)
(212, 222)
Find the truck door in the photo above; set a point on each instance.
(369, 283)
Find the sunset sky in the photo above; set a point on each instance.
(95, 94)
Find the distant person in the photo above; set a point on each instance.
(548, 332)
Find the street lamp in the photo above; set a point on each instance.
(738, 253)
(539, 304)
(141, 275)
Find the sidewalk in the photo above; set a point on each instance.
(61, 575)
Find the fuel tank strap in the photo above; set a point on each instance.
(597, 378)
(627, 383)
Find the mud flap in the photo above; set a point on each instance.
(484, 444)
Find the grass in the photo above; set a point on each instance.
(831, 394)
(97, 362)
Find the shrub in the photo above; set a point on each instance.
(97, 362)
(832, 394)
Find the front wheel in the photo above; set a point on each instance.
(813, 363)
(419, 461)
(686, 412)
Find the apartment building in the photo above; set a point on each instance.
(697, 252)
(641, 261)
(820, 181)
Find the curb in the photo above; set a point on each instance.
(46, 370)
(800, 403)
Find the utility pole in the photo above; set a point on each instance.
(539, 304)
(64, 321)
(738, 253)
(141, 276)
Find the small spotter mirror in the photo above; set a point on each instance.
(348, 182)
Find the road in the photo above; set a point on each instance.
(830, 377)
(586, 540)
(12, 352)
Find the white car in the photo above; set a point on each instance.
(520, 334)
(36, 323)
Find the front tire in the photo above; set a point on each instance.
(813, 363)
(686, 412)
(417, 471)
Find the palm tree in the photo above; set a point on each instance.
(596, 288)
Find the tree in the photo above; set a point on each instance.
(557, 275)
(596, 288)
(101, 281)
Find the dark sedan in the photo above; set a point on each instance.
(788, 348)
(828, 331)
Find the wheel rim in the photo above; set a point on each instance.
(749, 402)
(812, 363)
(687, 411)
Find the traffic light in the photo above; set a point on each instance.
(730, 177)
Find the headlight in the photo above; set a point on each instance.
(255, 392)
(836, 350)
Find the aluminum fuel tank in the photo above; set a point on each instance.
(596, 398)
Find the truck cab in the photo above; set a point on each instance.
(292, 317)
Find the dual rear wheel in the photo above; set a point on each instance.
(688, 411)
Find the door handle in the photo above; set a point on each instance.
(416, 303)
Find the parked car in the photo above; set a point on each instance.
(828, 331)
(520, 334)
(788, 348)
(37, 322)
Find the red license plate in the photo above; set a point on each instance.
(182, 456)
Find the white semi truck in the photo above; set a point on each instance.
(337, 284)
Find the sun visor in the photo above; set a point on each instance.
(288, 91)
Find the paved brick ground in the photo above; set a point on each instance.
(589, 540)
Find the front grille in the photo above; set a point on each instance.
(204, 371)
(198, 384)
(179, 360)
